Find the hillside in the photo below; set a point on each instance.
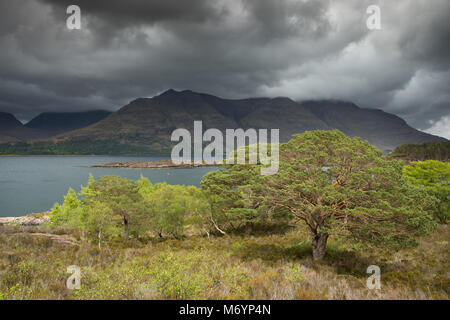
(419, 152)
(12, 130)
(7, 139)
(8, 121)
(45, 125)
(157, 117)
(58, 122)
(144, 126)
(382, 129)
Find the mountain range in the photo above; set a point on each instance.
(58, 122)
(145, 124)
(45, 125)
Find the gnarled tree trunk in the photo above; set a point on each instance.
(248, 227)
(319, 245)
(127, 230)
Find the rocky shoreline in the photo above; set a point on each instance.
(28, 220)
(161, 164)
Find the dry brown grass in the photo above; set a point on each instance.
(260, 266)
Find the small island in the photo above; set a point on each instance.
(160, 164)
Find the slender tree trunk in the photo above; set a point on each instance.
(319, 245)
(249, 227)
(100, 238)
(214, 223)
(127, 231)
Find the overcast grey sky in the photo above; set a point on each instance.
(232, 48)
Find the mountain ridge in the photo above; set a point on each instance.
(158, 116)
(12, 130)
(59, 122)
(45, 125)
(145, 124)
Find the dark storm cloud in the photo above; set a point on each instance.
(233, 48)
(425, 37)
(122, 14)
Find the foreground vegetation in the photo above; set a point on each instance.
(433, 177)
(267, 264)
(335, 207)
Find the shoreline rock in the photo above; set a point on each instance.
(160, 164)
(28, 220)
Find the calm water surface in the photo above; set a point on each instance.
(34, 184)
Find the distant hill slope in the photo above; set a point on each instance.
(58, 122)
(45, 125)
(8, 121)
(146, 124)
(157, 117)
(12, 130)
(384, 130)
(419, 152)
(7, 139)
